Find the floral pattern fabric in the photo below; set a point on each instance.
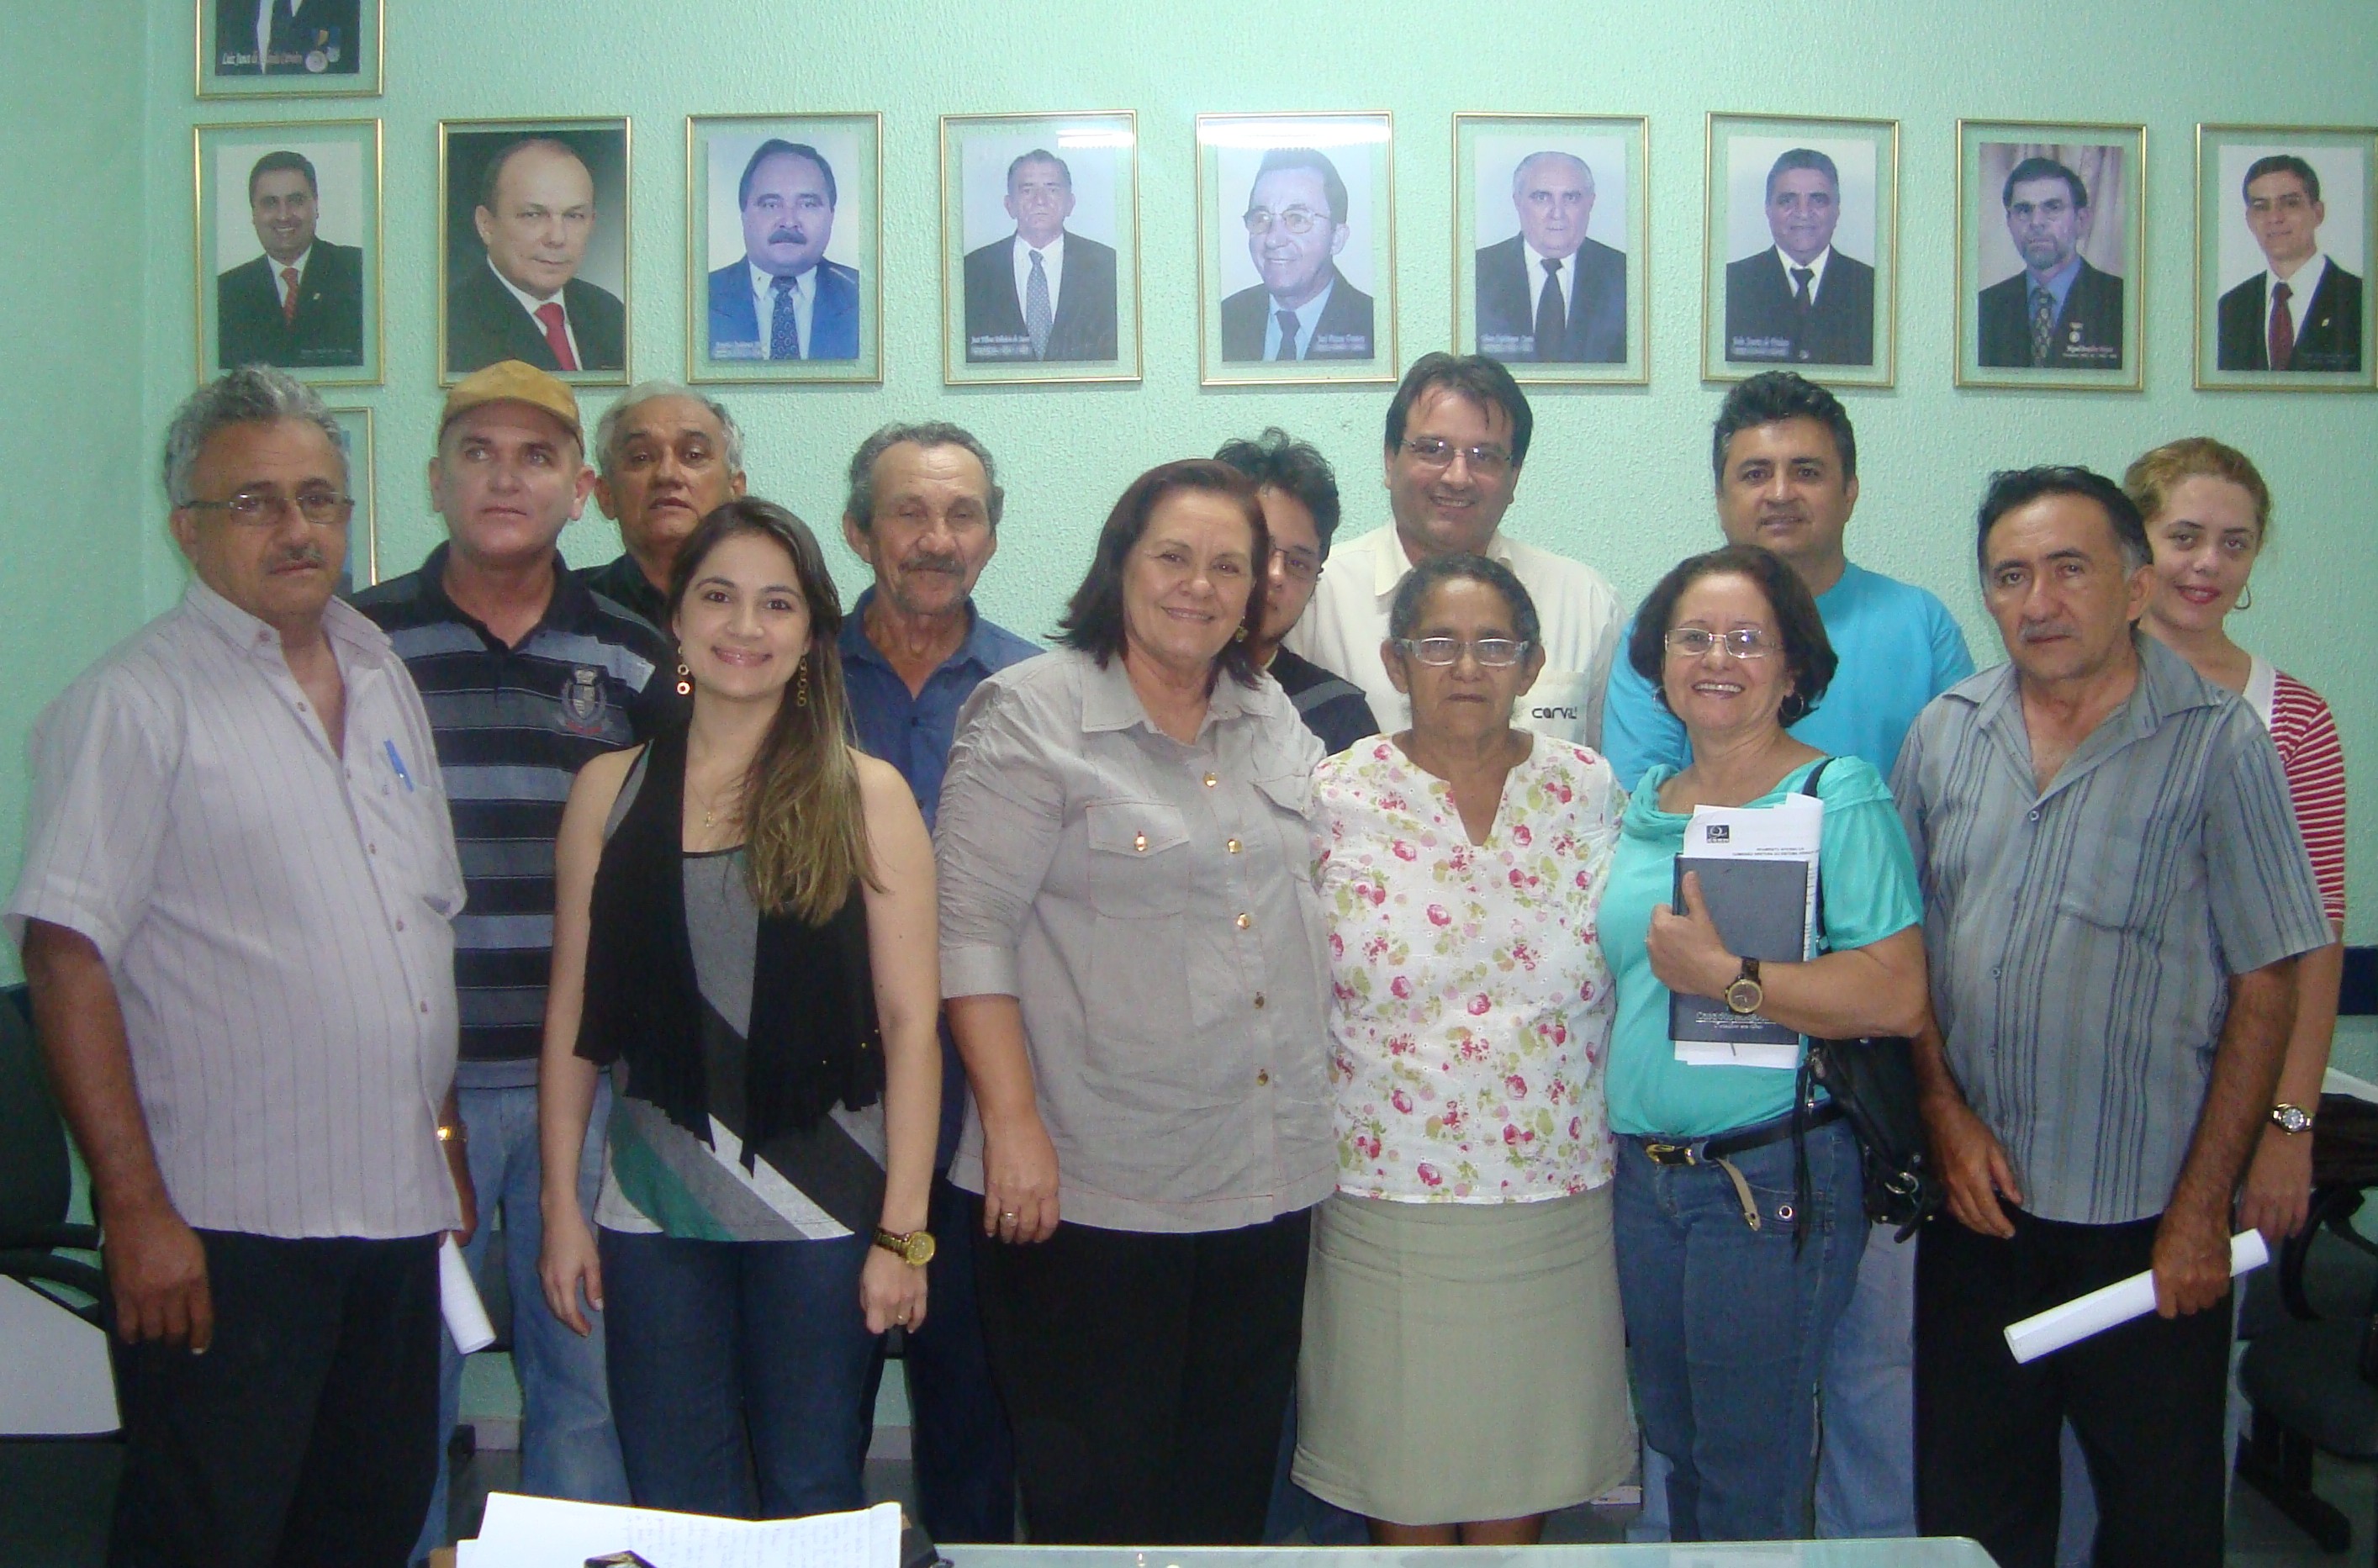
(1470, 1003)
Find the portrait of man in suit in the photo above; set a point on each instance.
(300, 304)
(2059, 312)
(2301, 312)
(1800, 301)
(277, 38)
(1042, 293)
(1303, 309)
(525, 300)
(1549, 293)
(783, 299)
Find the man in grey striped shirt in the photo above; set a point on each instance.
(235, 912)
(2115, 896)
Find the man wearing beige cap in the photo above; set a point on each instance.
(527, 675)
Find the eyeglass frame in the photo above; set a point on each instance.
(1726, 640)
(1473, 646)
(251, 510)
(1271, 219)
(1486, 461)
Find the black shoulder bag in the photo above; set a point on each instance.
(1873, 1080)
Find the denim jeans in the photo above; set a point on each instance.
(1866, 1465)
(1730, 1326)
(711, 1340)
(567, 1449)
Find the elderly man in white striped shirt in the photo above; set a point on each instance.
(235, 912)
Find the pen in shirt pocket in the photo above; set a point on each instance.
(396, 760)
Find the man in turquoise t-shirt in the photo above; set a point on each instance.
(1786, 462)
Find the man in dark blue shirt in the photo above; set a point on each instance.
(924, 513)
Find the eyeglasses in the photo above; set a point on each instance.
(1743, 641)
(1436, 451)
(320, 508)
(1298, 565)
(1443, 652)
(1296, 220)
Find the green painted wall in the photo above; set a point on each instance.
(96, 104)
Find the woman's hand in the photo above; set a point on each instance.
(1688, 955)
(1019, 1179)
(2277, 1192)
(568, 1260)
(891, 1292)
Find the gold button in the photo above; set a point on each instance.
(1139, 843)
(1211, 780)
(1262, 1076)
(1244, 922)
(1259, 1000)
(1234, 846)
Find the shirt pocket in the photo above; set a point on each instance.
(1139, 859)
(1558, 705)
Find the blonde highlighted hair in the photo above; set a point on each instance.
(2153, 476)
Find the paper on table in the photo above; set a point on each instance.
(2114, 1304)
(1789, 831)
(543, 1532)
(466, 1315)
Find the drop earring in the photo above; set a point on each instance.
(801, 684)
(2245, 598)
(684, 681)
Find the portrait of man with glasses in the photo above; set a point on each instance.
(1304, 307)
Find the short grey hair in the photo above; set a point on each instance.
(861, 507)
(1519, 174)
(253, 394)
(606, 429)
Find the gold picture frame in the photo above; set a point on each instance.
(2097, 338)
(333, 333)
(2233, 268)
(362, 483)
(340, 54)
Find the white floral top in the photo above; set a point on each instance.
(1471, 1007)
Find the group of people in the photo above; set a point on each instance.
(1230, 1052)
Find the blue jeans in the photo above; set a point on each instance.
(711, 1340)
(1865, 1467)
(567, 1449)
(1730, 1325)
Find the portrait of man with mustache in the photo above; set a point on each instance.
(783, 300)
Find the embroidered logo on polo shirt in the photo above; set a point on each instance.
(582, 704)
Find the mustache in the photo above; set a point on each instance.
(950, 565)
(303, 556)
(2043, 631)
(788, 233)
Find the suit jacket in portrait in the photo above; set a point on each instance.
(290, 37)
(485, 323)
(1597, 307)
(2330, 337)
(736, 331)
(1084, 327)
(328, 329)
(1343, 331)
(2088, 333)
(1763, 323)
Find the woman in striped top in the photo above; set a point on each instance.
(2208, 517)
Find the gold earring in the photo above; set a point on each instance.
(1240, 635)
(801, 684)
(2246, 598)
(684, 681)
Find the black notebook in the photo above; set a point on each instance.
(1761, 908)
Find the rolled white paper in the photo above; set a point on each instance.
(2118, 1303)
(466, 1315)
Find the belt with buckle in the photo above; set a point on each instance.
(1709, 1151)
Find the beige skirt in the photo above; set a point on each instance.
(1464, 1361)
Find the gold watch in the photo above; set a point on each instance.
(915, 1249)
(1744, 995)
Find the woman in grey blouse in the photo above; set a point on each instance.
(1133, 951)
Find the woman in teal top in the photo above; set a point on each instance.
(1734, 1258)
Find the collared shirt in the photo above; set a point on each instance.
(1535, 275)
(1899, 648)
(912, 732)
(1151, 907)
(763, 302)
(1053, 264)
(281, 288)
(2058, 285)
(1816, 269)
(1342, 628)
(2081, 937)
(274, 914)
(624, 584)
(530, 303)
(1308, 317)
(513, 726)
(2300, 288)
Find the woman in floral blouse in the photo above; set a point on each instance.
(1465, 1367)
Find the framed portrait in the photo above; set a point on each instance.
(1800, 245)
(2052, 255)
(1039, 248)
(288, 48)
(2286, 231)
(532, 247)
(1551, 241)
(287, 248)
(784, 239)
(1296, 248)
(363, 529)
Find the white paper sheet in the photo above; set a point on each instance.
(466, 1315)
(543, 1532)
(1790, 830)
(2112, 1305)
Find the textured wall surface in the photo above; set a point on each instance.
(98, 107)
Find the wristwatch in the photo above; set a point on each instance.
(916, 1248)
(2291, 1118)
(1744, 995)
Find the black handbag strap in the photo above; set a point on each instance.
(1808, 788)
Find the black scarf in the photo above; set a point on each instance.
(814, 1038)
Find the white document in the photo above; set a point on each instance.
(543, 1532)
(2112, 1305)
(466, 1315)
(1791, 830)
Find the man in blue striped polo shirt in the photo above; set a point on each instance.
(526, 674)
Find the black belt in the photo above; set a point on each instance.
(1709, 1151)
